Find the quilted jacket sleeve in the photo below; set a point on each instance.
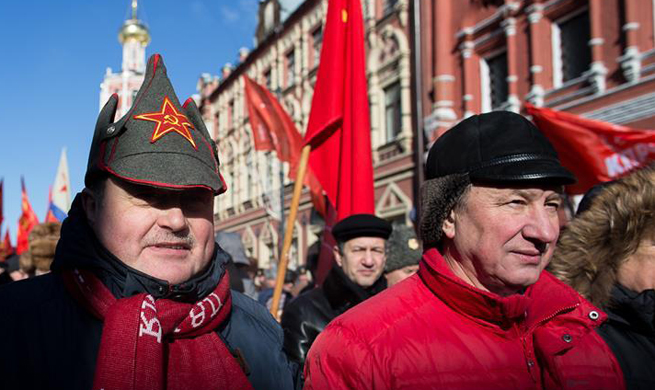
(339, 360)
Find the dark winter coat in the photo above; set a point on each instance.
(434, 331)
(307, 315)
(49, 341)
(617, 223)
(630, 332)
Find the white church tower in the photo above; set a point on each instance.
(134, 37)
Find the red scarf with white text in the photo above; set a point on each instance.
(159, 344)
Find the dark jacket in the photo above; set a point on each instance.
(307, 315)
(630, 333)
(49, 341)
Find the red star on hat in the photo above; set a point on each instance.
(168, 120)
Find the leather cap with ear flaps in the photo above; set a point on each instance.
(497, 147)
(158, 143)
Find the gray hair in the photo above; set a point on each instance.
(438, 197)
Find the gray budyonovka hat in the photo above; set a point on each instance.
(499, 147)
(159, 142)
(403, 248)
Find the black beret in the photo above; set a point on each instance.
(497, 147)
(361, 225)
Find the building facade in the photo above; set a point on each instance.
(286, 59)
(134, 37)
(594, 58)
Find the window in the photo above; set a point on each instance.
(229, 176)
(293, 252)
(389, 6)
(268, 80)
(235, 181)
(291, 68)
(248, 245)
(571, 51)
(392, 110)
(269, 169)
(229, 181)
(270, 247)
(493, 79)
(249, 179)
(317, 43)
(230, 114)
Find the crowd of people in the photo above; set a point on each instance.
(490, 294)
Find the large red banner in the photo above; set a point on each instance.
(594, 151)
(339, 130)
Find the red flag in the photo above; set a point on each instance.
(273, 129)
(26, 222)
(339, 129)
(260, 115)
(6, 249)
(594, 151)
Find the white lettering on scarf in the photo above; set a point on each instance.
(152, 326)
(198, 318)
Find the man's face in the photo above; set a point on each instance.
(362, 260)
(500, 239)
(166, 234)
(400, 274)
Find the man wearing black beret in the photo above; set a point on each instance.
(481, 313)
(138, 296)
(360, 256)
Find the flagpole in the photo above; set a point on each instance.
(278, 95)
(288, 235)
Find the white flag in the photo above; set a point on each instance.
(61, 194)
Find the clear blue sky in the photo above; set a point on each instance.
(52, 60)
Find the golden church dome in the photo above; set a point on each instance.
(134, 29)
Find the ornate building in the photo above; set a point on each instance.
(286, 59)
(134, 37)
(594, 58)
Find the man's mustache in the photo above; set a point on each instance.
(184, 239)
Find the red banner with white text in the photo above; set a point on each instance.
(594, 151)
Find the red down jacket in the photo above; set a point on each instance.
(434, 331)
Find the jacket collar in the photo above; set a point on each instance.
(342, 293)
(540, 302)
(634, 309)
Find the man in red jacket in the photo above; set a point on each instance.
(481, 313)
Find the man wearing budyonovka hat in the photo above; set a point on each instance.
(139, 297)
(360, 256)
(481, 313)
(403, 254)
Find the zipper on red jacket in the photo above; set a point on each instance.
(548, 318)
(531, 358)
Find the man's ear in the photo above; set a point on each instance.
(90, 205)
(448, 226)
(337, 255)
